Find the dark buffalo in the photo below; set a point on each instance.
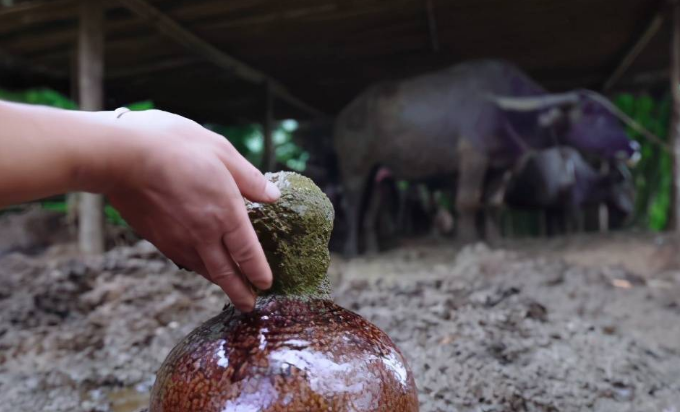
(560, 182)
(463, 121)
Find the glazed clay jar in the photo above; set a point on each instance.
(297, 351)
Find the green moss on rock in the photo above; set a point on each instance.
(294, 232)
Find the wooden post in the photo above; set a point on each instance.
(91, 91)
(675, 122)
(269, 152)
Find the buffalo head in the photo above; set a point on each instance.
(620, 189)
(583, 119)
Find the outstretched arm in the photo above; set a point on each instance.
(177, 184)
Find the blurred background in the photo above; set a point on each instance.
(572, 209)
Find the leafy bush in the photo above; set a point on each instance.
(249, 141)
(654, 174)
(46, 97)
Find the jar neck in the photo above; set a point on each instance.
(320, 289)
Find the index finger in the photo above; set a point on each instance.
(243, 245)
(250, 181)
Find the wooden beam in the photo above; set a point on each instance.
(650, 78)
(269, 151)
(18, 64)
(186, 38)
(91, 93)
(37, 11)
(635, 51)
(158, 66)
(674, 131)
(432, 25)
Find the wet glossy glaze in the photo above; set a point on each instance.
(287, 355)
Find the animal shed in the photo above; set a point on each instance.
(212, 60)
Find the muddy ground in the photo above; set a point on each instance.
(585, 323)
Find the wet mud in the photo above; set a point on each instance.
(539, 326)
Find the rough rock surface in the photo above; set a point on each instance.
(294, 233)
(482, 329)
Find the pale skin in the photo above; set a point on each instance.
(177, 184)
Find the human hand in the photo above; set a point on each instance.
(181, 187)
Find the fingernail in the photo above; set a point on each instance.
(272, 191)
(261, 283)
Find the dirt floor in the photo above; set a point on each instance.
(584, 323)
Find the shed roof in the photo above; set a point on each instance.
(326, 51)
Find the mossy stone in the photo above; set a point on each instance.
(294, 232)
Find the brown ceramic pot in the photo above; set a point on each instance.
(297, 351)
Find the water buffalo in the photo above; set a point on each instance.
(462, 121)
(559, 181)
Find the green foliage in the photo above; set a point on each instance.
(654, 174)
(246, 139)
(249, 141)
(143, 105)
(57, 206)
(46, 97)
(287, 152)
(113, 216)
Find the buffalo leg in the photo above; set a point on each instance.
(401, 213)
(493, 211)
(472, 170)
(556, 222)
(353, 197)
(580, 220)
(433, 209)
(406, 211)
(543, 221)
(370, 220)
(492, 223)
(508, 223)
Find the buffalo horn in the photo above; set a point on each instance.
(531, 103)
